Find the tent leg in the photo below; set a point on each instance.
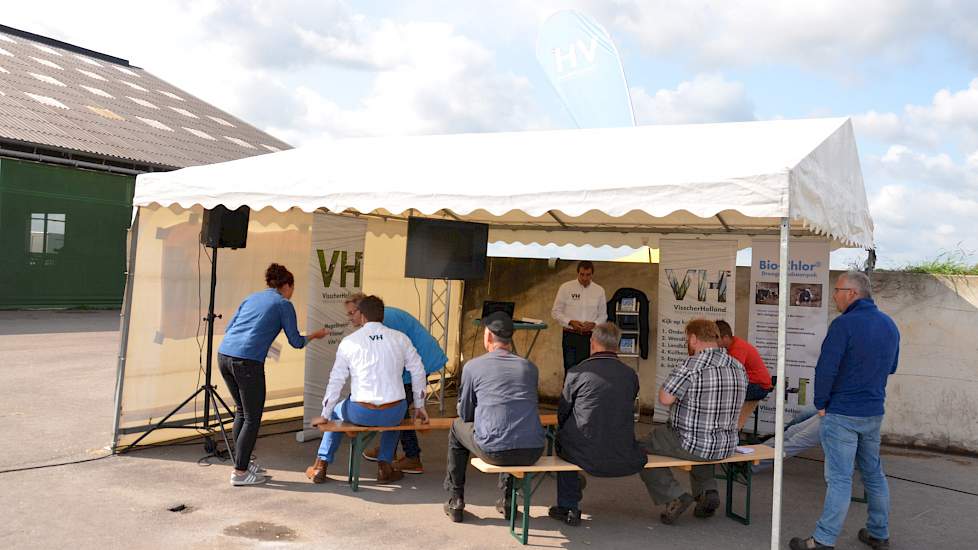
(783, 296)
(124, 329)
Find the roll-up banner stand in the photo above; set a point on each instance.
(696, 280)
(335, 273)
(808, 303)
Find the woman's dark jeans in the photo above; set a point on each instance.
(245, 380)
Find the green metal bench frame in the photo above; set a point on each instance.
(523, 489)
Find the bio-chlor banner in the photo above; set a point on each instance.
(808, 297)
(335, 273)
(696, 280)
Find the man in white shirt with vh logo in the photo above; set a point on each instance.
(579, 306)
(373, 358)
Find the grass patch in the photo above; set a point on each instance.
(946, 263)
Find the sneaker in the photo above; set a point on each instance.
(570, 516)
(371, 454)
(454, 509)
(675, 508)
(873, 542)
(808, 544)
(256, 468)
(707, 504)
(409, 465)
(247, 478)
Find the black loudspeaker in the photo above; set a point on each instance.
(223, 228)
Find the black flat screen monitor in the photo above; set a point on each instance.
(445, 249)
(490, 306)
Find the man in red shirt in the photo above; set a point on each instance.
(758, 377)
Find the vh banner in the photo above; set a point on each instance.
(808, 299)
(696, 279)
(583, 65)
(335, 272)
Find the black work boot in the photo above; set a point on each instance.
(570, 516)
(454, 508)
(707, 504)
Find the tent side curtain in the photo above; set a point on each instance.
(166, 348)
(710, 178)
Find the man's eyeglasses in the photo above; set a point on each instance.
(842, 288)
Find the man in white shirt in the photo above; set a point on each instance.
(373, 358)
(579, 306)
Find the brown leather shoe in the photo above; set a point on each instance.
(409, 465)
(317, 472)
(386, 473)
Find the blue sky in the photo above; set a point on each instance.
(305, 70)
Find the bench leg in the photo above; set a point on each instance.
(732, 471)
(523, 486)
(357, 445)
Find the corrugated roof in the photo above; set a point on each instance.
(74, 99)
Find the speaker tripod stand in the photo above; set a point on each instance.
(208, 389)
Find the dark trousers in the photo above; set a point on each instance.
(409, 439)
(577, 347)
(245, 380)
(755, 392)
(461, 443)
(569, 491)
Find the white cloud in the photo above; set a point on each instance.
(951, 117)
(426, 77)
(454, 89)
(707, 98)
(829, 33)
(900, 163)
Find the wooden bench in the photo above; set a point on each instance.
(361, 436)
(735, 469)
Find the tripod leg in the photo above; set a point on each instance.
(165, 418)
(220, 420)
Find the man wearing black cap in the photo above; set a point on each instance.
(497, 419)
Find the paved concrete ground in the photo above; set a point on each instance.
(56, 397)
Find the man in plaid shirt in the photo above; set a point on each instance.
(705, 393)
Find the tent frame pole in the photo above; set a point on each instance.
(124, 319)
(783, 295)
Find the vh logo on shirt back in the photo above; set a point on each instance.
(376, 337)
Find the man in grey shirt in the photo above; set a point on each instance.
(497, 419)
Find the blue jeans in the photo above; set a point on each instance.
(409, 438)
(351, 411)
(801, 434)
(849, 440)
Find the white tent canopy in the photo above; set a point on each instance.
(619, 186)
(709, 178)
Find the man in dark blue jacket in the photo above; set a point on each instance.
(859, 353)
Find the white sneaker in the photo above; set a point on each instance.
(248, 478)
(256, 468)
